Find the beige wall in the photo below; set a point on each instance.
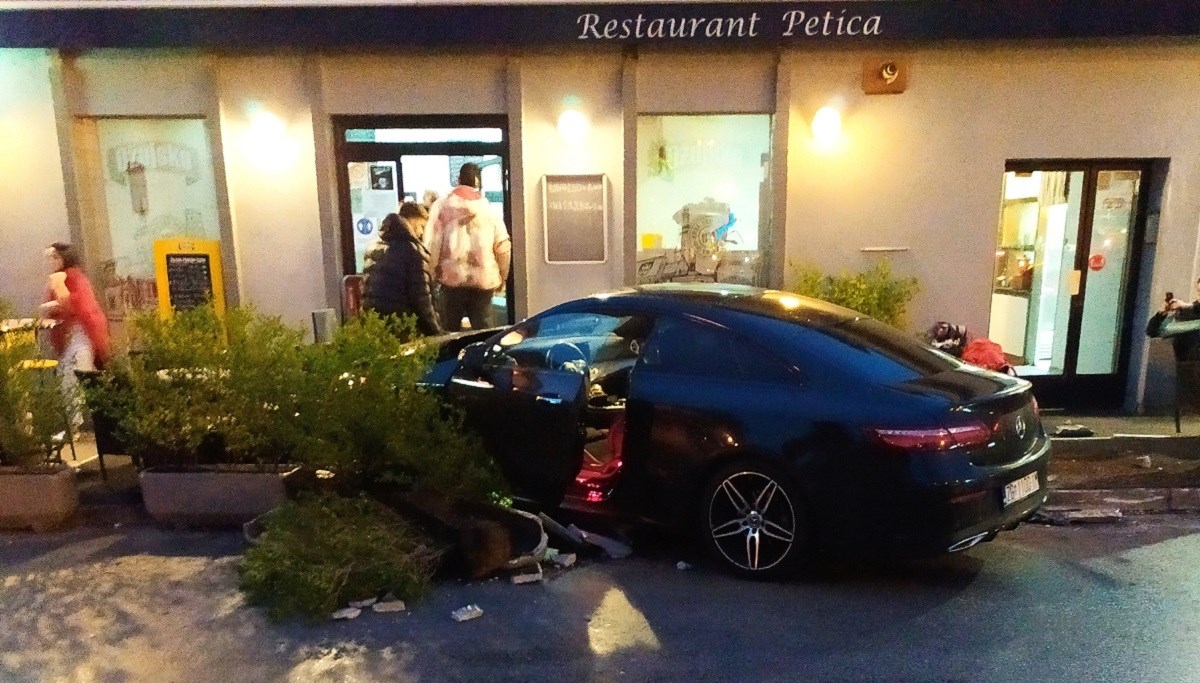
(32, 201)
(545, 82)
(413, 84)
(269, 155)
(923, 169)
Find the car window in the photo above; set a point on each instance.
(885, 354)
(685, 347)
(573, 341)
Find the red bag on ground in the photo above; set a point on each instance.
(986, 354)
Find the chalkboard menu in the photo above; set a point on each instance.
(189, 280)
(575, 216)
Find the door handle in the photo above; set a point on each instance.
(552, 399)
(1074, 281)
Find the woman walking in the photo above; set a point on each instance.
(80, 339)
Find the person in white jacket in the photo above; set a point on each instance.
(471, 251)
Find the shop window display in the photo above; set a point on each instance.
(703, 198)
(151, 179)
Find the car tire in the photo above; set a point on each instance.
(752, 521)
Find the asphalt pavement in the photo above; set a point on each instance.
(1101, 603)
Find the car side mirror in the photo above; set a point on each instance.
(474, 357)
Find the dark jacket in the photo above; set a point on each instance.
(397, 280)
(1183, 329)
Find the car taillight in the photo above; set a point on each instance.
(936, 438)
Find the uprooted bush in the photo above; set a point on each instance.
(321, 552)
(876, 292)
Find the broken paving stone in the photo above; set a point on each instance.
(389, 606)
(1143, 461)
(364, 603)
(682, 566)
(1084, 516)
(466, 613)
(346, 613)
(573, 534)
(530, 577)
(1073, 430)
(611, 547)
(563, 560)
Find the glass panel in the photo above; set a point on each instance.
(424, 135)
(704, 199)
(1035, 257)
(373, 195)
(1104, 293)
(427, 177)
(151, 179)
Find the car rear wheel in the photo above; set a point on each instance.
(752, 521)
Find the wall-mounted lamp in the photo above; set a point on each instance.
(266, 139)
(573, 124)
(827, 128)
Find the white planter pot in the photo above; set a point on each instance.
(37, 499)
(218, 495)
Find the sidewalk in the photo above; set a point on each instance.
(1132, 464)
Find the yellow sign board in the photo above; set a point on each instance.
(188, 274)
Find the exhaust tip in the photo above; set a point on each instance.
(967, 543)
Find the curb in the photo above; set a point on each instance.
(1184, 447)
(1130, 501)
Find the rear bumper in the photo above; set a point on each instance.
(946, 518)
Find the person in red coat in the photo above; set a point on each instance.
(80, 339)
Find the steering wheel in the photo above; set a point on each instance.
(566, 356)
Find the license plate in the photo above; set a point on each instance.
(1021, 488)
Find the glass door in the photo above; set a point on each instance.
(1067, 249)
(386, 160)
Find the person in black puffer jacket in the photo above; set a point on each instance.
(397, 278)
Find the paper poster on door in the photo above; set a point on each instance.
(373, 195)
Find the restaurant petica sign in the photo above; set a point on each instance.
(269, 24)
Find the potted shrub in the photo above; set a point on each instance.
(209, 405)
(34, 491)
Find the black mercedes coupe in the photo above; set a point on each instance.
(772, 425)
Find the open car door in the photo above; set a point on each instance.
(529, 417)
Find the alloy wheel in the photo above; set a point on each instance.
(751, 520)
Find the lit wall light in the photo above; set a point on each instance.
(266, 142)
(827, 128)
(573, 124)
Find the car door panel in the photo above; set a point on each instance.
(529, 421)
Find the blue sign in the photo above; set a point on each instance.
(849, 22)
(364, 226)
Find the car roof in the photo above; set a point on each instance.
(698, 298)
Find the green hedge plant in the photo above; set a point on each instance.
(33, 406)
(369, 421)
(321, 552)
(875, 292)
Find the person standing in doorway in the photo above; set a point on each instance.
(471, 249)
(397, 275)
(80, 339)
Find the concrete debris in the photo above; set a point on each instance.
(1069, 430)
(389, 606)
(346, 613)
(611, 547)
(361, 604)
(530, 577)
(564, 560)
(467, 613)
(1143, 461)
(682, 566)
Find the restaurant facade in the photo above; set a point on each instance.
(1035, 165)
